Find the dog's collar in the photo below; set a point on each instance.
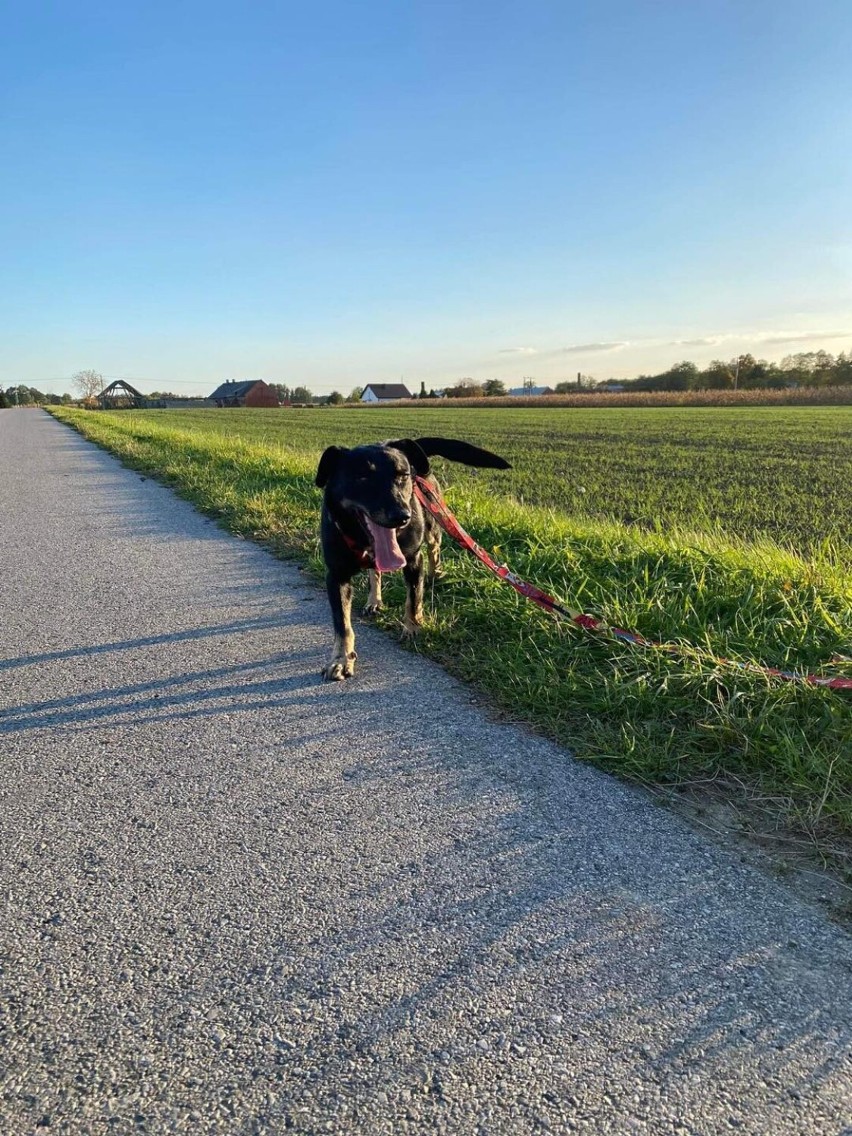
(362, 555)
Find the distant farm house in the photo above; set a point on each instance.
(522, 392)
(254, 392)
(385, 392)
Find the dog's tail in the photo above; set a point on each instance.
(461, 452)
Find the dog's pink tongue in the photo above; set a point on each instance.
(386, 548)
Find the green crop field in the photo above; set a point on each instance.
(783, 473)
(725, 531)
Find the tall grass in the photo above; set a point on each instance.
(643, 714)
(802, 396)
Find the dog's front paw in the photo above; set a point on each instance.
(410, 627)
(373, 608)
(340, 667)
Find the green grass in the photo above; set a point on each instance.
(684, 574)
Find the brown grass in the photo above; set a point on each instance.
(805, 396)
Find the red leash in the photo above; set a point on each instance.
(431, 499)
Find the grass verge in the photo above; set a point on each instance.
(641, 714)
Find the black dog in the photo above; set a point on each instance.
(372, 519)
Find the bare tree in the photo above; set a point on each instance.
(88, 383)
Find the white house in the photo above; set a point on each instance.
(385, 392)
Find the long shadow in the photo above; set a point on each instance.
(234, 627)
(117, 703)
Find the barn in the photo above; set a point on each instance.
(253, 392)
(119, 395)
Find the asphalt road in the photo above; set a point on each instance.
(236, 899)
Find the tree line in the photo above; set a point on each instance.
(20, 395)
(804, 369)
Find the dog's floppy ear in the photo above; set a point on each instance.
(416, 458)
(462, 452)
(328, 464)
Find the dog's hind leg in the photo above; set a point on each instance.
(342, 661)
(374, 600)
(414, 575)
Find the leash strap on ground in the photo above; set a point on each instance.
(431, 499)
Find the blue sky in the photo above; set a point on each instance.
(343, 192)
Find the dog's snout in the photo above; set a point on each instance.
(391, 517)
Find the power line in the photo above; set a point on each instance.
(130, 379)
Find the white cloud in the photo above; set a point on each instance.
(803, 337)
(756, 338)
(581, 348)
